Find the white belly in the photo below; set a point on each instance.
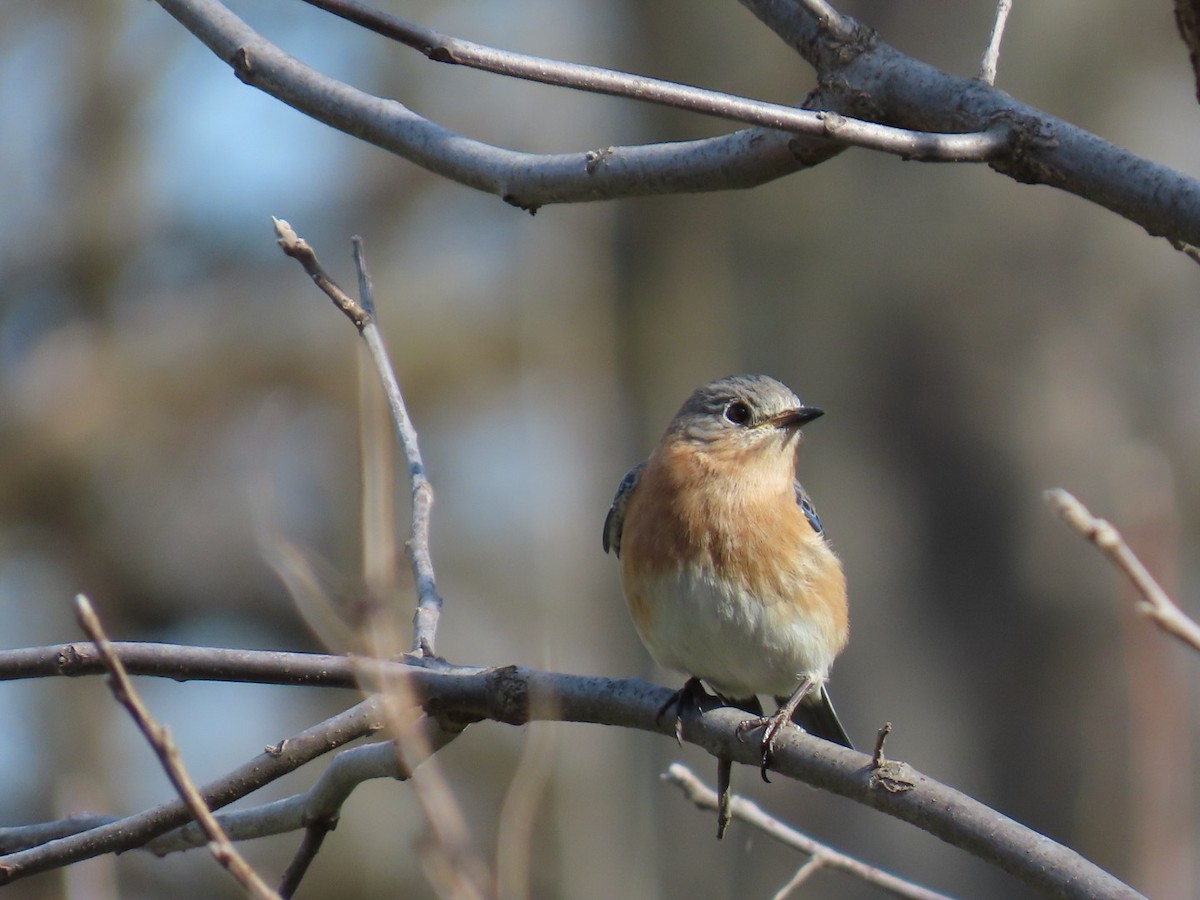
(738, 644)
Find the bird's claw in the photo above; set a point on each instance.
(772, 725)
(686, 695)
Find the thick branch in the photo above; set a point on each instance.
(859, 76)
(870, 79)
(740, 160)
(517, 695)
(456, 51)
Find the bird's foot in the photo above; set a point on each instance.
(772, 725)
(688, 695)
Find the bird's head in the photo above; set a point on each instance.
(742, 414)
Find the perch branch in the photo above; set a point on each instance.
(1154, 603)
(516, 695)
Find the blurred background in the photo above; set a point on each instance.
(167, 378)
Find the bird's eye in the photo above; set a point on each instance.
(738, 413)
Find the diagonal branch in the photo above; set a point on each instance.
(137, 830)
(1154, 602)
(869, 78)
(863, 83)
(429, 601)
(740, 160)
(822, 854)
(977, 147)
(168, 754)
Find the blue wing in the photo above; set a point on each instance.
(810, 511)
(614, 522)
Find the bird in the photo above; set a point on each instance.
(725, 566)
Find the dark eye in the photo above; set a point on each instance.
(738, 413)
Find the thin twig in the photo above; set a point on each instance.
(516, 850)
(1154, 603)
(878, 760)
(451, 863)
(298, 249)
(806, 869)
(118, 835)
(429, 601)
(310, 845)
(752, 814)
(991, 55)
(164, 746)
(974, 147)
(319, 806)
(830, 19)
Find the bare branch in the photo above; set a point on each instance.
(870, 78)
(741, 160)
(298, 249)
(830, 20)
(822, 854)
(979, 147)
(429, 601)
(991, 56)
(1155, 604)
(310, 846)
(799, 878)
(137, 830)
(449, 859)
(168, 755)
(317, 810)
(516, 695)
(1187, 20)
(183, 664)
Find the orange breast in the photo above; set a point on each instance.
(733, 515)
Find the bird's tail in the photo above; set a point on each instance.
(815, 715)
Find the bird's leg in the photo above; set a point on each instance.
(724, 813)
(688, 695)
(776, 722)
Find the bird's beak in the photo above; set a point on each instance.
(794, 418)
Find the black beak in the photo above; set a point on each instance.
(794, 418)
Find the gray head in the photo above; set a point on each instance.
(741, 410)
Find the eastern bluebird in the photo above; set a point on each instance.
(726, 569)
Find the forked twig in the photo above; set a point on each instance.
(429, 601)
(160, 739)
(980, 146)
(1154, 602)
(821, 855)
